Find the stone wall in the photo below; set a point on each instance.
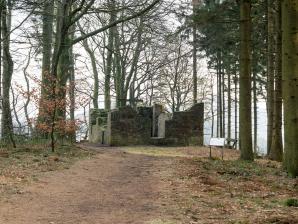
(147, 125)
(127, 126)
(187, 127)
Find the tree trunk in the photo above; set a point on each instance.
(229, 105)
(29, 123)
(255, 112)
(270, 73)
(72, 97)
(220, 112)
(119, 73)
(245, 81)
(14, 104)
(276, 151)
(217, 103)
(107, 85)
(1, 9)
(47, 41)
(236, 106)
(290, 83)
(212, 108)
(59, 72)
(195, 75)
(223, 105)
(108, 72)
(95, 73)
(7, 126)
(136, 56)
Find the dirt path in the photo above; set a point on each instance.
(156, 185)
(113, 187)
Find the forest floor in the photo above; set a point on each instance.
(149, 185)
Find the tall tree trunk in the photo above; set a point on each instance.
(7, 126)
(236, 105)
(276, 151)
(290, 83)
(223, 105)
(63, 76)
(29, 123)
(217, 103)
(1, 9)
(255, 112)
(110, 49)
(212, 108)
(72, 97)
(59, 68)
(195, 65)
(95, 73)
(46, 43)
(245, 81)
(229, 105)
(16, 116)
(136, 56)
(109, 63)
(270, 73)
(175, 82)
(119, 72)
(220, 95)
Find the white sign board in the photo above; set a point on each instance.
(217, 142)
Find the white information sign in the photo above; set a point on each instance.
(217, 142)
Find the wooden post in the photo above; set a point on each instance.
(222, 153)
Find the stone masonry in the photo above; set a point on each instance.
(146, 126)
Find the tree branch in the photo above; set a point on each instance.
(115, 23)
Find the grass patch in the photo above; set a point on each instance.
(155, 151)
(237, 168)
(292, 202)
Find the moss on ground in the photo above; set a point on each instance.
(292, 202)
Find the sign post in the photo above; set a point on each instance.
(218, 142)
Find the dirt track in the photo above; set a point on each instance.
(113, 187)
(151, 185)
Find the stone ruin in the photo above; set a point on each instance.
(147, 126)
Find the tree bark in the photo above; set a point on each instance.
(72, 86)
(236, 106)
(229, 105)
(29, 123)
(47, 42)
(1, 9)
(245, 81)
(290, 84)
(7, 126)
(217, 103)
(14, 104)
(195, 66)
(95, 73)
(276, 151)
(220, 95)
(270, 72)
(223, 105)
(212, 108)
(110, 50)
(255, 112)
